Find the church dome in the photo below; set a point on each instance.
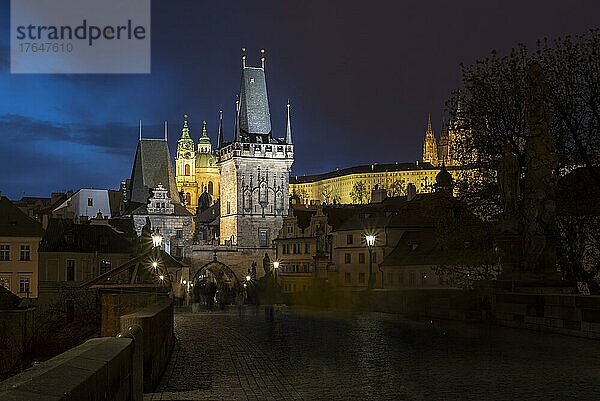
(206, 160)
(444, 179)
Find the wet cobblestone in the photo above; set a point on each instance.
(301, 355)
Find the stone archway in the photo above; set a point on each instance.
(215, 282)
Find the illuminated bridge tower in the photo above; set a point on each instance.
(254, 168)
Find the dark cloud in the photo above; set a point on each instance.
(362, 77)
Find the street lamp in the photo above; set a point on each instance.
(248, 278)
(370, 240)
(276, 267)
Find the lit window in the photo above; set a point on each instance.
(25, 252)
(24, 285)
(263, 237)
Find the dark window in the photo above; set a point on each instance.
(90, 201)
(70, 270)
(361, 277)
(347, 258)
(263, 237)
(179, 251)
(349, 239)
(105, 265)
(210, 188)
(4, 252)
(347, 278)
(25, 252)
(179, 234)
(306, 248)
(361, 258)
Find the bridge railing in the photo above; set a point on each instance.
(107, 368)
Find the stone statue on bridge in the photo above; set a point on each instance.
(267, 264)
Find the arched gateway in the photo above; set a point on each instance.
(215, 282)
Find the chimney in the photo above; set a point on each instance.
(378, 194)
(411, 191)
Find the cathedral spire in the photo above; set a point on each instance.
(220, 136)
(430, 151)
(288, 128)
(429, 131)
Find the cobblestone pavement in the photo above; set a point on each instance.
(300, 355)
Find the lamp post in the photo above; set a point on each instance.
(370, 240)
(276, 268)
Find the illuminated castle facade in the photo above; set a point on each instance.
(354, 184)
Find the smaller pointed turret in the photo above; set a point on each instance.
(288, 128)
(185, 144)
(220, 136)
(236, 129)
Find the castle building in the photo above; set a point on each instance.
(256, 167)
(354, 185)
(196, 170)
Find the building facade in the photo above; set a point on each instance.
(83, 205)
(20, 236)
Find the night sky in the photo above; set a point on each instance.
(361, 76)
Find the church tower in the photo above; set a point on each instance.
(207, 172)
(185, 167)
(430, 145)
(256, 167)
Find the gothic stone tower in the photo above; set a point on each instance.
(254, 167)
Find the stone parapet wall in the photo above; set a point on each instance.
(99, 369)
(156, 323)
(570, 314)
(108, 368)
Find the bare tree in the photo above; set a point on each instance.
(359, 193)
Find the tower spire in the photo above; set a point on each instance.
(204, 133)
(288, 128)
(220, 137)
(236, 132)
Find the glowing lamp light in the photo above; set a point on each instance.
(370, 239)
(184, 282)
(156, 239)
(155, 264)
(161, 277)
(245, 285)
(248, 278)
(276, 264)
